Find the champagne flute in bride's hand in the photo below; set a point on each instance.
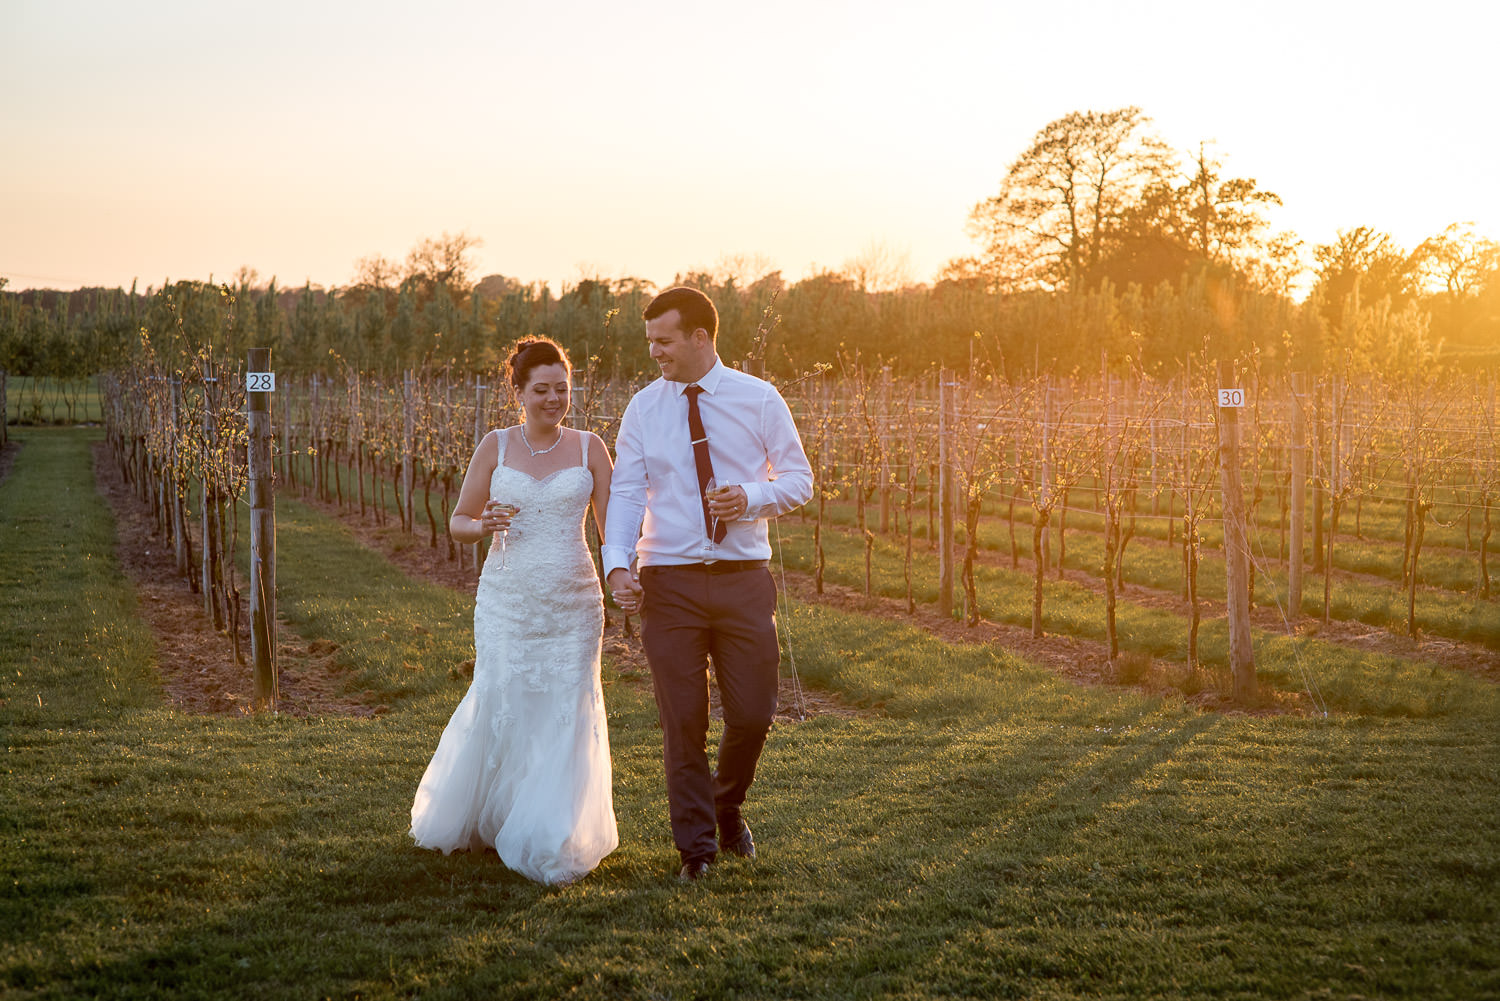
(510, 511)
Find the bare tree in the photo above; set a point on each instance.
(443, 260)
(1060, 199)
(376, 272)
(879, 267)
(1456, 260)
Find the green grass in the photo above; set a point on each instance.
(985, 831)
(31, 400)
(57, 539)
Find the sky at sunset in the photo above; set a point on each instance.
(186, 140)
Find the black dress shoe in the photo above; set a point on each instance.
(693, 869)
(739, 843)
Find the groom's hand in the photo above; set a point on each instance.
(728, 503)
(625, 589)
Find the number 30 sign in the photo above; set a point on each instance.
(1231, 397)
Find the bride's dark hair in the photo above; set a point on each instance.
(533, 352)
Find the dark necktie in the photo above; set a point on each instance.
(702, 461)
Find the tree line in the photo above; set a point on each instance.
(1100, 239)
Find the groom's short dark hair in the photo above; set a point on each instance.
(695, 308)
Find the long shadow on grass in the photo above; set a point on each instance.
(951, 828)
(329, 930)
(998, 797)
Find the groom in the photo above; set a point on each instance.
(704, 587)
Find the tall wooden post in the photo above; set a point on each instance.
(408, 450)
(1236, 545)
(885, 450)
(1043, 555)
(1488, 497)
(1335, 489)
(1298, 489)
(262, 536)
(176, 506)
(945, 498)
(1316, 454)
(315, 436)
(1189, 518)
(208, 507)
(1155, 480)
(481, 429)
(288, 473)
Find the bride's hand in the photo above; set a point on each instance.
(497, 517)
(626, 591)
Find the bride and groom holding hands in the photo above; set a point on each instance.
(704, 456)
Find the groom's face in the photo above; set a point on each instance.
(681, 356)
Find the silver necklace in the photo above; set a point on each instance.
(540, 451)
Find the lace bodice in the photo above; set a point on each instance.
(545, 556)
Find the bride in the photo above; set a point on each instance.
(523, 766)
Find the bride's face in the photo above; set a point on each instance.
(545, 396)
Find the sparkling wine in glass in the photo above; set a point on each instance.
(709, 490)
(511, 510)
(712, 491)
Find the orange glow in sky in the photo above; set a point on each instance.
(175, 140)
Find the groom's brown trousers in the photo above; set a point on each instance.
(692, 613)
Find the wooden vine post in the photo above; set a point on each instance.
(1335, 489)
(1487, 497)
(175, 485)
(1236, 537)
(481, 411)
(885, 450)
(945, 498)
(208, 509)
(357, 438)
(1298, 498)
(259, 381)
(408, 450)
(1042, 542)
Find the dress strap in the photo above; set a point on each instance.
(583, 436)
(501, 436)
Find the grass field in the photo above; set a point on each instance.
(983, 830)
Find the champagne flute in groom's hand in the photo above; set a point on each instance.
(715, 491)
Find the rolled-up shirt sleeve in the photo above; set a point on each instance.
(790, 482)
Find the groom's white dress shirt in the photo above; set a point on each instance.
(655, 510)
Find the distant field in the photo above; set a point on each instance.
(51, 401)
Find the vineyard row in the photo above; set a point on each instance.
(960, 445)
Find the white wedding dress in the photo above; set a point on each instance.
(523, 765)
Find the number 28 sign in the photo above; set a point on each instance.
(1231, 397)
(260, 382)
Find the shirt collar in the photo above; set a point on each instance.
(709, 382)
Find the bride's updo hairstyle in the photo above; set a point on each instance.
(533, 352)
